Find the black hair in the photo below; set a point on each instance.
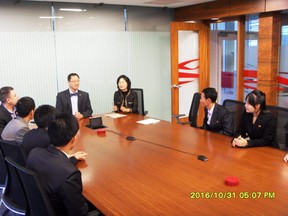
(126, 79)
(5, 93)
(210, 93)
(63, 129)
(44, 115)
(24, 106)
(257, 97)
(72, 74)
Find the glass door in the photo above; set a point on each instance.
(223, 71)
(228, 65)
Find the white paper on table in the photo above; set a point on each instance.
(115, 115)
(148, 121)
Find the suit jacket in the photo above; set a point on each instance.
(262, 132)
(5, 117)
(131, 100)
(35, 138)
(63, 103)
(39, 138)
(221, 121)
(60, 179)
(15, 130)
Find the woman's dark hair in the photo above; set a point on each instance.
(126, 79)
(257, 97)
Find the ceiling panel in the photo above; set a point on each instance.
(143, 3)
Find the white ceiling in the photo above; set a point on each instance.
(144, 3)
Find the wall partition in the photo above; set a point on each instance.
(283, 71)
(41, 44)
(251, 53)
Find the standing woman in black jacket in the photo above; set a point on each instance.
(125, 100)
(258, 126)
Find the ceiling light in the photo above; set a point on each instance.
(72, 9)
(50, 17)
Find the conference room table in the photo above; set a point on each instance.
(159, 173)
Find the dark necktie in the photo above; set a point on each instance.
(73, 94)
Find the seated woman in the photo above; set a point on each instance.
(258, 126)
(125, 100)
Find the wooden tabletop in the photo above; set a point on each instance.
(159, 173)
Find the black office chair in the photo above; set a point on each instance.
(236, 109)
(3, 174)
(140, 95)
(13, 150)
(14, 198)
(193, 113)
(38, 201)
(281, 115)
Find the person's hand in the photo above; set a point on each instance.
(239, 142)
(286, 158)
(125, 110)
(115, 108)
(78, 115)
(80, 155)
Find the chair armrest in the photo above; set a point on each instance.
(177, 116)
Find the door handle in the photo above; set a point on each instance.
(176, 86)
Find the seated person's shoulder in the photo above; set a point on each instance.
(268, 115)
(83, 92)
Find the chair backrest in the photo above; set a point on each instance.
(38, 200)
(140, 95)
(3, 171)
(14, 196)
(236, 109)
(193, 112)
(13, 150)
(281, 115)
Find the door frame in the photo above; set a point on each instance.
(204, 61)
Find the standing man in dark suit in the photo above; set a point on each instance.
(217, 118)
(8, 98)
(61, 179)
(74, 100)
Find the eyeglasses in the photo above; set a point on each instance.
(75, 81)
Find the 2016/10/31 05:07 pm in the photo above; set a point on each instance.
(233, 195)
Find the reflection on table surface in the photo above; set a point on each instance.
(159, 174)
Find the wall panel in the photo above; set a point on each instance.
(28, 64)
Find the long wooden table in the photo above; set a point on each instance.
(159, 174)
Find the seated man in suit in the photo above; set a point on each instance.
(8, 98)
(73, 100)
(18, 127)
(61, 179)
(217, 118)
(44, 115)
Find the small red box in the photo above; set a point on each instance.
(101, 131)
(231, 181)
